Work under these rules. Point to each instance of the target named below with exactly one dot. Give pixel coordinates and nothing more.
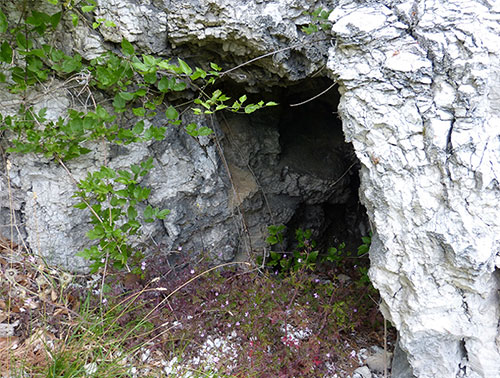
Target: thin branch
(314, 97)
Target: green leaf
(80, 205)
(131, 212)
(96, 233)
(150, 105)
(119, 102)
(6, 52)
(313, 256)
(366, 239)
(147, 165)
(271, 103)
(148, 212)
(310, 29)
(126, 135)
(149, 60)
(88, 8)
(223, 98)
(88, 253)
(140, 66)
(275, 256)
(164, 84)
(55, 19)
(204, 131)
(138, 128)
(191, 129)
(74, 19)
(3, 22)
(162, 213)
(38, 19)
(150, 78)
(184, 67)
(135, 169)
(215, 95)
(171, 113)
(101, 112)
(125, 174)
(272, 240)
(197, 74)
(71, 64)
(251, 108)
(236, 106)
(139, 112)
(126, 95)
(53, 2)
(215, 67)
(109, 24)
(38, 52)
(164, 64)
(127, 47)
(21, 41)
(179, 86)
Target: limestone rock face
(420, 104)
(419, 101)
(277, 166)
(233, 31)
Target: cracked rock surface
(420, 104)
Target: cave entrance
(313, 144)
(291, 165)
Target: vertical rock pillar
(421, 105)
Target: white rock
(433, 257)
(362, 372)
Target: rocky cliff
(415, 109)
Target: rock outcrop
(419, 102)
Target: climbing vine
(138, 85)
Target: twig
(314, 97)
(343, 174)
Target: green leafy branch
(138, 85)
(113, 197)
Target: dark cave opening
(306, 175)
(313, 144)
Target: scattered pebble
(6, 330)
(362, 372)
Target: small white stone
(362, 372)
(90, 368)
